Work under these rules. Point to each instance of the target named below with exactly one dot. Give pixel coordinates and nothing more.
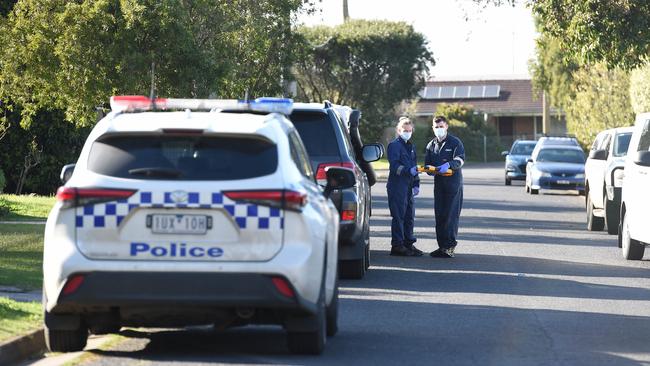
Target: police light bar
(140, 103)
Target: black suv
(331, 136)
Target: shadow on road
(441, 334)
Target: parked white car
(634, 231)
(173, 218)
(604, 178)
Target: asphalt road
(529, 286)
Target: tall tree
(372, 65)
(74, 55)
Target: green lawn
(18, 318)
(380, 164)
(21, 255)
(25, 207)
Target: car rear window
(561, 156)
(621, 144)
(316, 132)
(186, 157)
(523, 148)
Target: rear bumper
(559, 183)
(102, 291)
(516, 176)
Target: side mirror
(372, 152)
(642, 158)
(529, 160)
(66, 172)
(598, 154)
(338, 178)
(504, 153)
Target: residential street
(529, 286)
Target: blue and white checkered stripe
(246, 215)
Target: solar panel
(461, 92)
(492, 91)
(476, 91)
(446, 92)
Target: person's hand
(443, 168)
(416, 191)
(414, 171)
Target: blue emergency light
(140, 103)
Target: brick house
(509, 104)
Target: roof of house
(515, 96)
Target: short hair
(404, 121)
(438, 119)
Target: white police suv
(182, 212)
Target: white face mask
(405, 135)
(440, 133)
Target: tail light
(283, 286)
(285, 199)
(73, 197)
(72, 284)
(321, 176)
(348, 215)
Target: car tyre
(66, 340)
(333, 312)
(105, 329)
(534, 191)
(594, 223)
(508, 182)
(612, 217)
(355, 269)
(311, 343)
(367, 257)
(632, 249)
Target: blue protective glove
(414, 171)
(416, 191)
(443, 168)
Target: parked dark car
(516, 160)
(557, 167)
(332, 139)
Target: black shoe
(401, 251)
(415, 250)
(443, 253)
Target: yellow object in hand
(433, 170)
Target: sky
(467, 40)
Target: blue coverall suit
(447, 191)
(401, 156)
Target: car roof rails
(565, 135)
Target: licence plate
(564, 182)
(179, 224)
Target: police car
(182, 212)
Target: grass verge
(21, 255)
(25, 207)
(17, 318)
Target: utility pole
(346, 12)
(546, 115)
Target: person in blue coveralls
(403, 184)
(446, 152)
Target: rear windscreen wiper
(157, 172)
